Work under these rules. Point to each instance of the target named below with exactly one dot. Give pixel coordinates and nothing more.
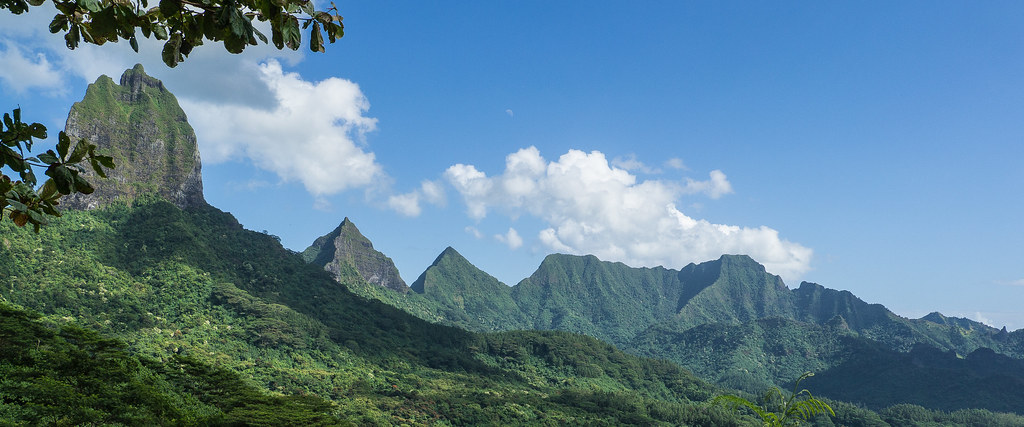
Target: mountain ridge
(758, 332)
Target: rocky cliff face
(346, 248)
(139, 123)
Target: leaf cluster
(25, 203)
(184, 24)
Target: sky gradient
(871, 147)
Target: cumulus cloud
(592, 207)
(22, 71)
(715, 187)
(511, 238)
(408, 204)
(312, 136)
(433, 192)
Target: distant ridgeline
(731, 322)
(146, 306)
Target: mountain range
(147, 306)
(733, 323)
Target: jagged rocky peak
(347, 248)
(140, 124)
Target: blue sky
(873, 147)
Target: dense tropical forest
(154, 308)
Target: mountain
(195, 284)
(610, 301)
(458, 288)
(139, 123)
(730, 322)
(139, 312)
(346, 249)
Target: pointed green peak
(346, 249)
(449, 254)
(452, 273)
(349, 229)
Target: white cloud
(676, 163)
(22, 71)
(591, 207)
(476, 233)
(715, 187)
(408, 204)
(310, 136)
(1018, 282)
(979, 317)
(630, 163)
(511, 238)
(433, 192)
(510, 112)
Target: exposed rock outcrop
(140, 124)
(346, 247)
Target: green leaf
(49, 157)
(97, 168)
(262, 37)
(171, 53)
(160, 32)
(316, 39)
(238, 22)
(63, 143)
(90, 5)
(58, 24)
(73, 37)
(81, 149)
(134, 44)
(82, 186)
(37, 130)
(62, 178)
(170, 7)
(106, 161)
(290, 31)
(49, 190)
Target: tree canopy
(185, 24)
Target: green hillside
(733, 323)
(193, 284)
